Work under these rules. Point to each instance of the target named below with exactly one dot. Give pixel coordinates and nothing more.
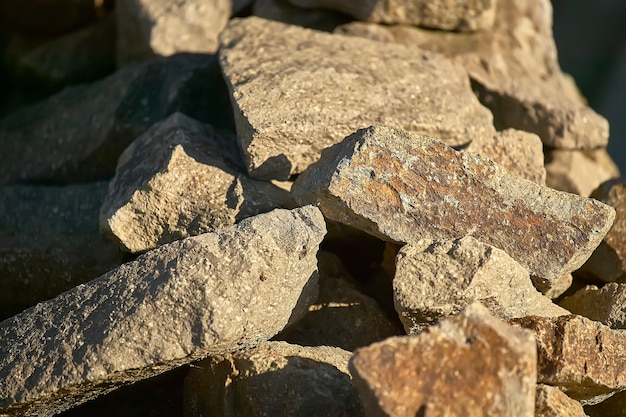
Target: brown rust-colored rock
(608, 261)
(273, 379)
(436, 280)
(459, 15)
(181, 178)
(325, 87)
(552, 402)
(584, 358)
(405, 187)
(468, 365)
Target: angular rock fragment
(557, 287)
(342, 316)
(159, 27)
(515, 71)
(468, 365)
(273, 379)
(201, 296)
(519, 152)
(608, 261)
(584, 358)
(324, 87)
(437, 280)
(461, 15)
(78, 134)
(552, 402)
(404, 187)
(50, 242)
(579, 172)
(181, 178)
(605, 304)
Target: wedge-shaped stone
(608, 261)
(437, 280)
(515, 70)
(584, 358)
(181, 178)
(552, 402)
(605, 304)
(405, 187)
(468, 365)
(204, 295)
(463, 15)
(325, 87)
(273, 379)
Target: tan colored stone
(515, 71)
(460, 15)
(579, 172)
(146, 28)
(519, 152)
(404, 187)
(608, 261)
(557, 287)
(201, 296)
(342, 316)
(181, 179)
(552, 402)
(584, 358)
(468, 365)
(438, 279)
(325, 86)
(605, 304)
(273, 379)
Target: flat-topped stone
(325, 87)
(404, 187)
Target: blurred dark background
(591, 41)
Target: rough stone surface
(584, 358)
(50, 242)
(204, 295)
(437, 280)
(283, 11)
(552, 402)
(557, 287)
(605, 304)
(327, 86)
(78, 134)
(579, 172)
(405, 187)
(160, 27)
(519, 152)
(461, 15)
(608, 261)
(181, 178)
(342, 316)
(273, 379)
(515, 70)
(468, 365)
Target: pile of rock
(372, 230)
